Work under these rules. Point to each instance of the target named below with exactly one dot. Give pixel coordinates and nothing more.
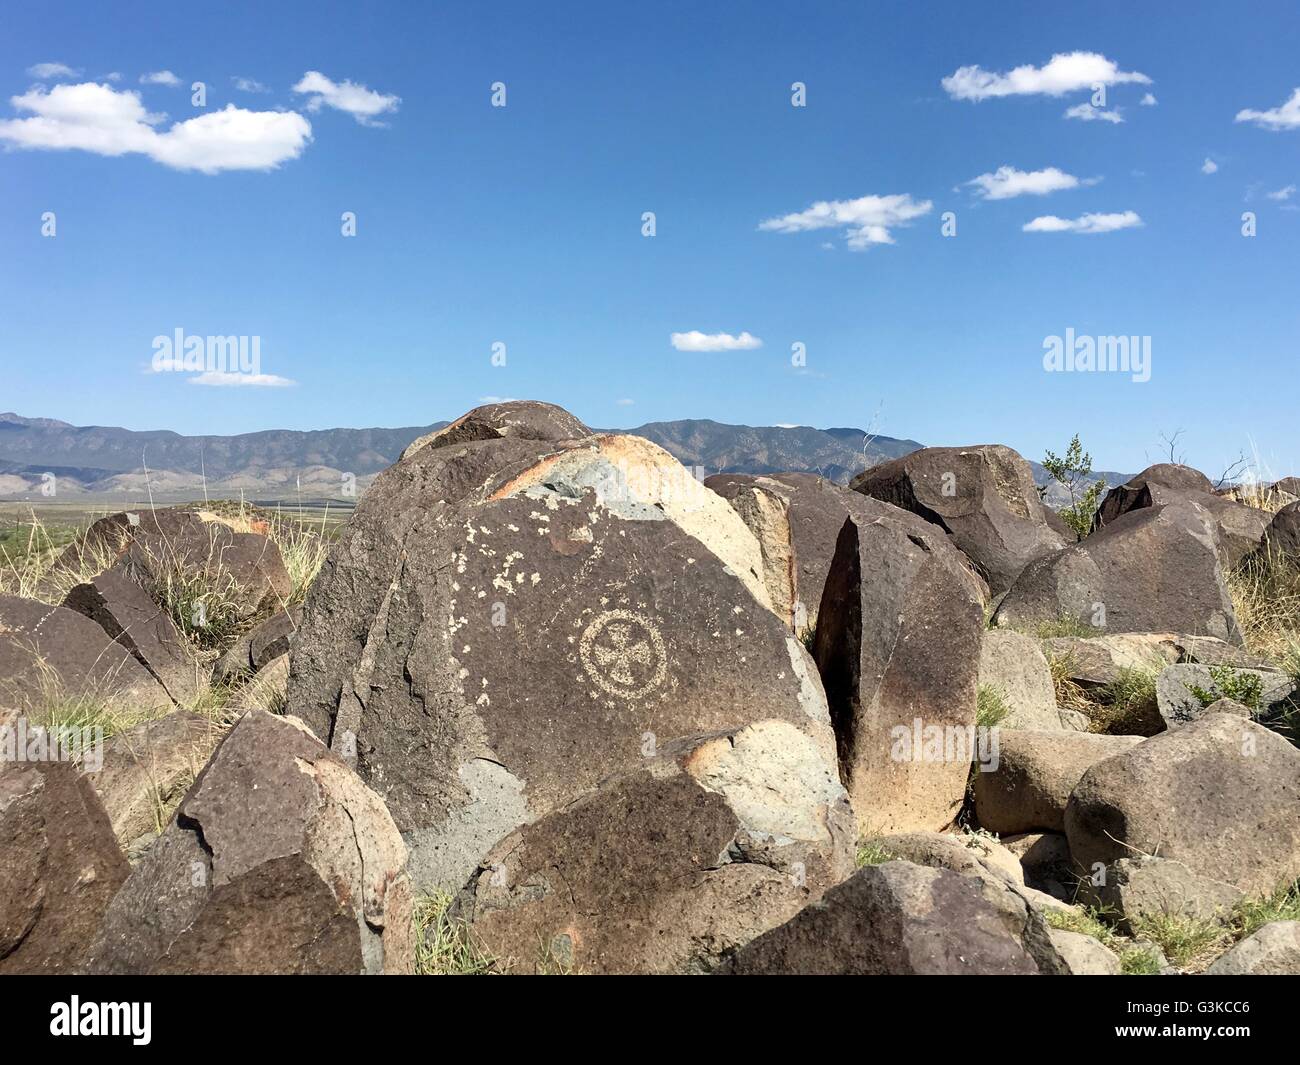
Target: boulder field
(553, 699)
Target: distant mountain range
(105, 463)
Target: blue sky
(523, 224)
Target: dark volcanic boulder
(503, 624)
(1132, 494)
(898, 648)
(901, 919)
(50, 654)
(1282, 537)
(196, 550)
(1030, 787)
(120, 606)
(1239, 527)
(259, 647)
(522, 419)
(983, 497)
(797, 518)
(1154, 570)
(1220, 794)
(669, 868)
(279, 861)
(59, 867)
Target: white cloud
(223, 379)
(1148, 100)
(1088, 223)
(99, 119)
(1007, 182)
(46, 71)
(249, 85)
(866, 220)
(788, 425)
(1088, 113)
(1276, 118)
(1209, 166)
(114, 76)
(1282, 194)
(625, 402)
(697, 341)
(356, 100)
(1063, 73)
(160, 77)
(497, 399)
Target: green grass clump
(872, 853)
(445, 946)
(1126, 706)
(990, 706)
(1187, 941)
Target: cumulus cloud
(1209, 166)
(1276, 118)
(46, 71)
(223, 379)
(99, 119)
(248, 85)
(361, 103)
(625, 402)
(697, 341)
(1088, 223)
(1148, 100)
(1007, 182)
(865, 221)
(160, 77)
(1282, 194)
(1063, 73)
(1088, 113)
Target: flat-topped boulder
(984, 497)
(51, 656)
(279, 861)
(1153, 570)
(506, 623)
(1014, 666)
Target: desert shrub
(990, 706)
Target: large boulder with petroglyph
(505, 623)
(671, 867)
(279, 861)
(52, 657)
(59, 865)
(1220, 794)
(898, 649)
(1153, 570)
(983, 497)
(523, 419)
(901, 919)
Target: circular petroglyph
(624, 654)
